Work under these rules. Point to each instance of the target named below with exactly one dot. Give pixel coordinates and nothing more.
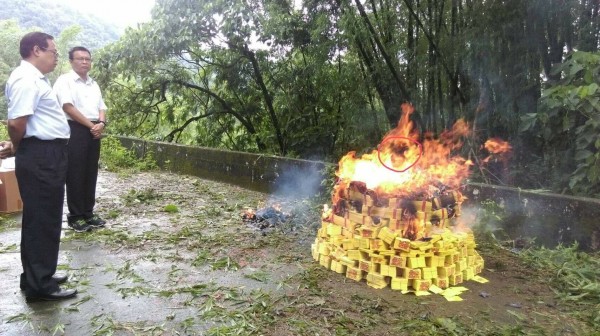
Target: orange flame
(432, 166)
(249, 214)
(497, 147)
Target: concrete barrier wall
(549, 218)
(265, 173)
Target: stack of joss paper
(410, 245)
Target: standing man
(80, 97)
(39, 133)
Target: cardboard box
(10, 198)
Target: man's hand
(6, 149)
(97, 130)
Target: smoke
(297, 182)
(293, 193)
(477, 219)
(520, 218)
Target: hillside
(54, 17)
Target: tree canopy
(316, 79)
(52, 18)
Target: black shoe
(95, 221)
(60, 294)
(58, 277)
(80, 225)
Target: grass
(107, 325)
(8, 248)
(575, 278)
(8, 222)
(260, 276)
(116, 158)
(140, 196)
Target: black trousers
(82, 174)
(41, 170)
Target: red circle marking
(399, 137)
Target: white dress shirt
(29, 93)
(84, 95)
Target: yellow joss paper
(370, 245)
(453, 291)
(453, 298)
(480, 279)
(435, 289)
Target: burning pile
(266, 217)
(394, 218)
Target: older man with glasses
(39, 133)
(81, 99)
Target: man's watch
(103, 122)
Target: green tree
(216, 80)
(567, 127)
(10, 35)
(64, 42)
(325, 77)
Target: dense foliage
(316, 79)
(116, 158)
(566, 127)
(319, 78)
(10, 34)
(69, 28)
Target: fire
(394, 219)
(272, 214)
(402, 166)
(249, 214)
(498, 148)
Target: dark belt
(56, 141)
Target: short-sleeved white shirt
(84, 95)
(29, 93)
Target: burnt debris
(265, 218)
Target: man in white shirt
(39, 133)
(80, 97)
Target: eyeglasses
(83, 59)
(56, 54)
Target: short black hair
(31, 40)
(78, 48)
